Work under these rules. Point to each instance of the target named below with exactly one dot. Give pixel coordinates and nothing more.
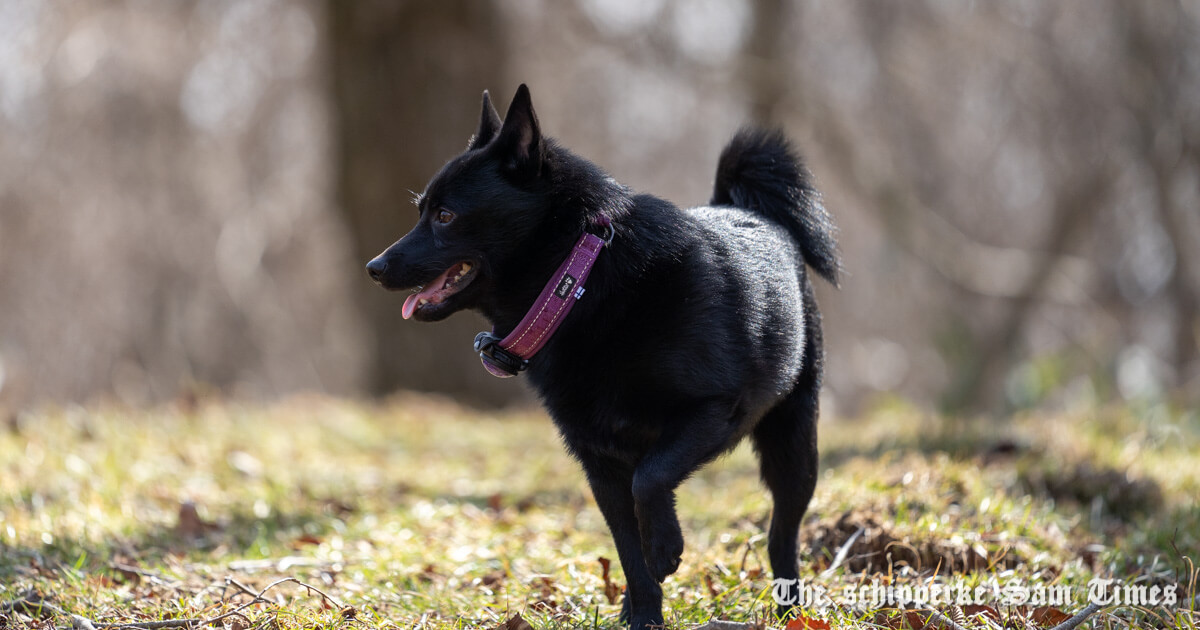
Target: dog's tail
(760, 171)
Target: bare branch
(1078, 618)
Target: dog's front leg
(673, 458)
(612, 482)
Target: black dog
(698, 327)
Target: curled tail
(760, 171)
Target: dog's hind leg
(612, 482)
(786, 441)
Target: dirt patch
(1112, 490)
(881, 549)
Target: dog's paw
(664, 550)
(650, 622)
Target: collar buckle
(493, 356)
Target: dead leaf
(712, 589)
(545, 589)
(306, 539)
(190, 524)
(611, 591)
(1047, 616)
(490, 580)
(516, 622)
(972, 610)
(428, 573)
(900, 619)
(805, 623)
(338, 506)
(126, 573)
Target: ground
(421, 513)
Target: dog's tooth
(465, 268)
(422, 301)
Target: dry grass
(421, 513)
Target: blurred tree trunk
(1157, 42)
(765, 66)
(406, 80)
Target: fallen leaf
(611, 591)
(338, 506)
(428, 573)
(900, 619)
(516, 622)
(972, 610)
(545, 589)
(190, 524)
(1047, 616)
(306, 539)
(126, 574)
(491, 580)
(805, 623)
(712, 589)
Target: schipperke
(656, 337)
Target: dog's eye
(444, 216)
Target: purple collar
(507, 357)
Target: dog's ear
(489, 124)
(520, 141)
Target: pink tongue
(410, 303)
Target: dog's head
(476, 213)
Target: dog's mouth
(428, 298)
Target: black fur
(698, 327)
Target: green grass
(420, 513)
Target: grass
(420, 513)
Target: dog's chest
(606, 433)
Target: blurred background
(189, 189)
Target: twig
(1078, 618)
(258, 597)
(31, 604)
(142, 625)
(244, 589)
(840, 557)
(132, 570)
(35, 605)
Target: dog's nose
(375, 269)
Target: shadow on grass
(240, 535)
